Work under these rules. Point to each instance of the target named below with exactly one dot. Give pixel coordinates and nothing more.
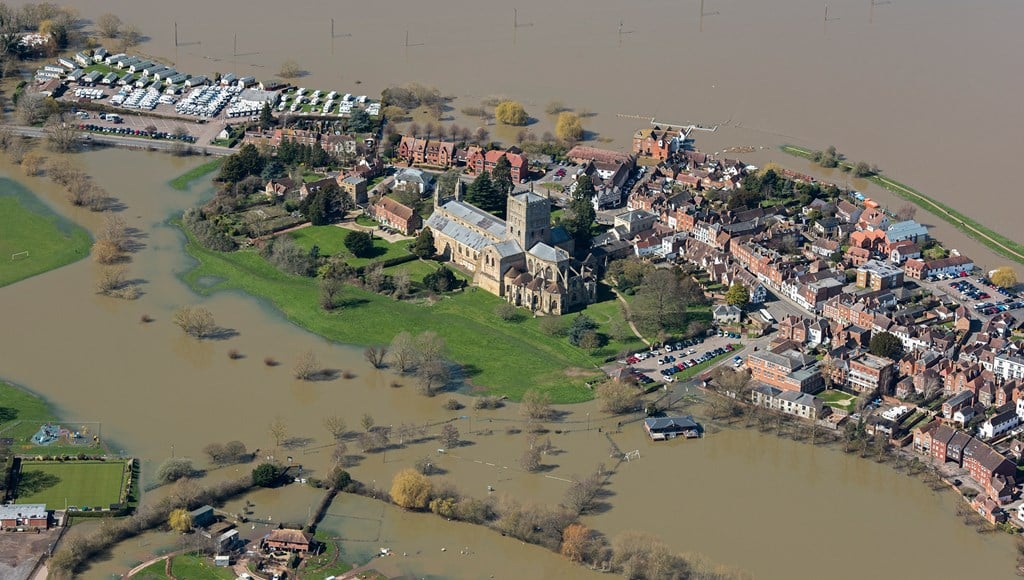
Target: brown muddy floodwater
(920, 87)
(740, 498)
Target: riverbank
(990, 238)
(185, 180)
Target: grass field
(834, 398)
(80, 483)
(192, 567)
(185, 180)
(331, 241)
(154, 571)
(27, 224)
(503, 358)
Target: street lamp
(588, 421)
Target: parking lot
(203, 132)
(988, 300)
(662, 364)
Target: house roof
(662, 423)
(548, 253)
(411, 174)
(289, 536)
(23, 510)
(726, 310)
(393, 206)
(905, 229)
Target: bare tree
(530, 460)
(582, 494)
(432, 374)
(336, 426)
(32, 163)
(403, 349)
(130, 36)
(367, 421)
(290, 70)
(108, 25)
(278, 430)
(375, 355)
(907, 211)
(449, 436)
(618, 397)
(105, 252)
(115, 231)
(196, 321)
(330, 290)
(111, 279)
(307, 366)
(32, 109)
(401, 282)
(536, 405)
(339, 453)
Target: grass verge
(28, 225)
(990, 238)
(195, 567)
(185, 180)
(498, 357)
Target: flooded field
(881, 81)
(740, 498)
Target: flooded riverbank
(159, 393)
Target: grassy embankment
(185, 180)
(501, 358)
(28, 225)
(23, 414)
(992, 239)
(331, 241)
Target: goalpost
(19, 256)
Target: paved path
(629, 317)
(150, 562)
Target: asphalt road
(131, 142)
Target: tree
(403, 349)
(507, 312)
(618, 397)
(336, 426)
(130, 36)
(530, 459)
(862, 169)
(511, 113)
(360, 122)
(576, 542)
(661, 302)
(266, 117)
(61, 135)
(483, 194)
(581, 214)
(359, 243)
(108, 25)
(555, 107)
(330, 290)
(423, 246)
(737, 295)
(180, 520)
(266, 475)
(367, 421)
(174, 469)
(501, 176)
(568, 127)
(105, 252)
(278, 430)
(307, 366)
(196, 321)
(441, 280)
(338, 478)
(1004, 277)
(449, 436)
(411, 489)
(33, 108)
(375, 355)
(536, 405)
(581, 325)
(907, 211)
(290, 69)
(886, 344)
(582, 494)
(32, 163)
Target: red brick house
(480, 161)
(288, 540)
(656, 142)
(393, 214)
(430, 152)
(941, 436)
(989, 468)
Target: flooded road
(919, 87)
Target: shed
(203, 516)
(661, 428)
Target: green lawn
(80, 483)
(331, 241)
(329, 563)
(835, 398)
(28, 225)
(185, 180)
(192, 567)
(154, 571)
(503, 358)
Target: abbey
(523, 259)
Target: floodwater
(919, 87)
(739, 498)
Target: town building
(919, 269)
(524, 259)
(999, 423)
(393, 214)
(418, 179)
(788, 371)
(878, 275)
(480, 161)
(662, 428)
(25, 515)
(426, 151)
(726, 314)
(287, 540)
(803, 405)
(657, 143)
(870, 374)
